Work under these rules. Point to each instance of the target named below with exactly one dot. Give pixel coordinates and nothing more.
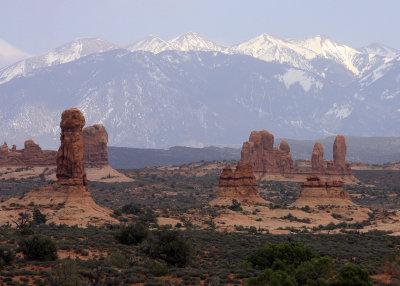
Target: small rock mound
(314, 192)
(240, 185)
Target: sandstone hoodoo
(240, 185)
(337, 167)
(31, 155)
(317, 157)
(266, 159)
(70, 193)
(95, 139)
(315, 191)
(70, 169)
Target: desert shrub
(314, 269)
(170, 246)
(6, 257)
(290, 253)
(236, 206)
(158, 269)
(271, 277)
(66, 274)
(352, 275)
(38, 217)
(26, 231)
(132, 234)
(131, 209)
(38, 248)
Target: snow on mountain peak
(193, 41)
(66, 53)
(380, 49)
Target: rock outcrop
(31, 155)
(70, 193)
(337, 167)
(240, 185)
(95, 154)
(95, 139)
(70, 169)
(261, 154)
(314, 192)
(317, 158)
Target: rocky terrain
(31, 155)
(32, 161)
(68, 200)
(240, 185)
(314, 192)
(272, 163)
(260, 152)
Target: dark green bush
(170, 246)
(132, 234)
(6, 257)
(352, 275)
(38, 248)
(158, 269)
(236, 206)
(38, 217)
(290, 253)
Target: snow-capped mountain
(64, 54)
(380, 49)
(191, 41)
(152, 44)
(10, 54)
(190, 91)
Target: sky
(37, 26)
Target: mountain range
(191, 91)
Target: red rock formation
(70, 170)
(240, 185)
(31, 155)
(337, 167)
(95, 139)
(264, 158)
(339, 152)
(317, 192)
(70, 192)
(317, 157)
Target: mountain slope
(64, 54)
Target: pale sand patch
(106, 174)
(168, 220)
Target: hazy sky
(36, 26)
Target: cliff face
(263, 157)
(240, 185)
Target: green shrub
(26, 231)
(290, 253)
(6, 257)
(236, 206)
(170, 246)
(38, 248)
(132, 234)
(66, 274)
(352, 275)
(38, 217)
(158, 269)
